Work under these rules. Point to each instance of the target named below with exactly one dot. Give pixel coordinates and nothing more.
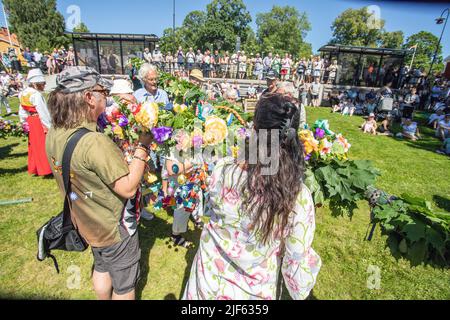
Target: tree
(170, 42)
(357, 27)
(81, 28)
(37, 23)
(192, 28)
(426, 45)
(225, 21)
(392, 40)
(283, 29)
(251, 44)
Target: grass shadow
(149, 231)
(392, 243)
(6, 150)
(13, 171)
(442, 202)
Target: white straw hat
(121, 86)
(35, 76)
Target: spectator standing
(267, 64)
(199, 60)
(259, 67)
(190, 60)
(148, 55)
(316, 91)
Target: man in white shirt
(190, 60)
(148, 55)
(37, 57)
(157, 56)
(199, 59)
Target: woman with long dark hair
(260, 221)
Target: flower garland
(10, 128)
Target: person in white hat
(370, 125)
(123, 91)
(33, 110)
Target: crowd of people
(107, 218)
(242, 65)
(385, 107)
(109, 222)
(49, 62)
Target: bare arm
(127, 186)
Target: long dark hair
(270, 199)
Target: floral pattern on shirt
(232, 264)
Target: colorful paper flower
(183, 140)
(118, 132)
(216, 131)
(162, 134)
(123, 121)
(148, 115)
(319, 134)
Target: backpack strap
(67, 157)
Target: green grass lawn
(405, 166)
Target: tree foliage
(392, 40)
(37, 23)
(357, 27)
(426, 45)
(81, 28)
(218, 27)
(283, 29)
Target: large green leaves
(342, 182)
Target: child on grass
(370, 125)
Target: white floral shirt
(232, 265)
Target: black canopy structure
(108, 53)
(365, 66)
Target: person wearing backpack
(100, 181)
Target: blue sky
(151, 16)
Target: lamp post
(440, 20)
(173, 16)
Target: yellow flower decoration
(216, 131)
(310, 144)
(118, 132)
(148, 116)
(179, 108)
(150, 178)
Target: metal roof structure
(363, 50)
(114, 36)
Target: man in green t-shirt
(101, 181)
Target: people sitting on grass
(445, 149)
(410, 130)
(348, 108)
(443, 130)
(385, 129)
(370, 125)
(435, 118)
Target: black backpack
(59, 232)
